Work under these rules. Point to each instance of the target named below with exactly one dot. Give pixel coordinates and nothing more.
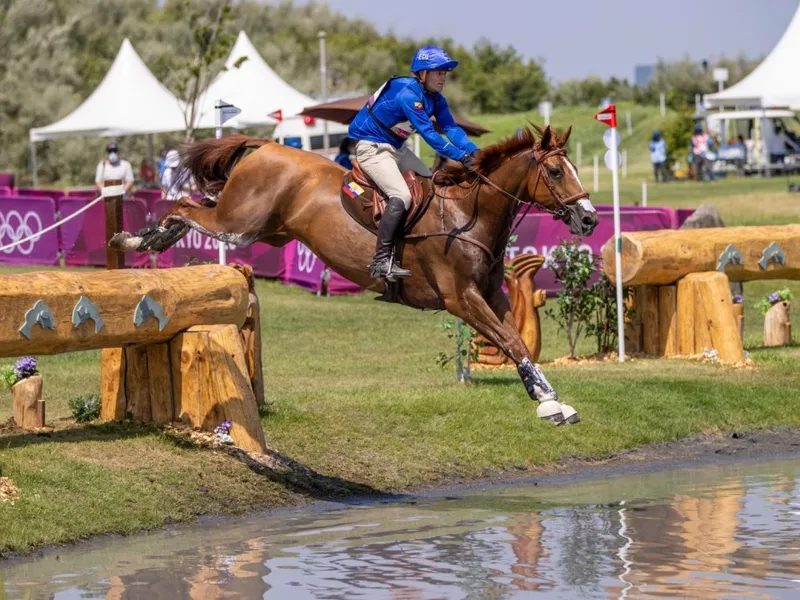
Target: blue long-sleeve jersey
(403, 106)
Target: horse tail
(211, 161)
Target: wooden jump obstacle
(177, 344)
(681, 297)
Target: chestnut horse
(455, 251)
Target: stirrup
(389, 270)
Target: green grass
(358, 399)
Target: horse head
(554, 184)
(549, 179)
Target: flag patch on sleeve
(418, 106)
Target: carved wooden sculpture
(525, 302)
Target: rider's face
(435, 80)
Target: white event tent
(774, 82)
(129, 101)
(253, 87)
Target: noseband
(542, 174)
(561, 212)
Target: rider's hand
(468, 160)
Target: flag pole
(618, 249)
(609, 116)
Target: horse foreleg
(532, 376)
(473, 308)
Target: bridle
(561, 212)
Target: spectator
(658, 156)
(701, 145)
(176, 182)
(113, 167)
(162, 163)
(346, 149)
(778, 144)
(147, 174)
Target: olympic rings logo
(15, 227)
(305, 258)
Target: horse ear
(547, 137)
(538, 129)
(562, 141)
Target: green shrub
(85, 408)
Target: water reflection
(721, 532)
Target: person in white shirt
(113, 167)
(175, 182)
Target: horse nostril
(588, 221)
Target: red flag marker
(608, 115)
(277, 115)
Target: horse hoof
(570, 415)
(124, 241)
(550, 410)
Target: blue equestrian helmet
(432, 58)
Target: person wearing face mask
(113, 167)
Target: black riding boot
(391, 221)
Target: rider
(400, 107)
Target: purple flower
(737, 299)
(25, 367)
(227, 425)
(774, 298)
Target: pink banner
(83, 239)
(21, 218)
(266, 260)
(305, 270)
(540, 234)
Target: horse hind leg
(175, 224)
(156, 237)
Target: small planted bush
(85, 408)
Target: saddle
(364, 201)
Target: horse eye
(556, 172)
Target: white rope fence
(36, 236)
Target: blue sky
(577, 38)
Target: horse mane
(491, 157)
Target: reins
(559, 213)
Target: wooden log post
(685, 318)
(633, 321)
(211, 384)
(667, 320)
(29, 408)
(777, 325)
(251, 336)
(650, 326)
(707, 296)
(113, 193)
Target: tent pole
(150, 154)
(33, 164)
